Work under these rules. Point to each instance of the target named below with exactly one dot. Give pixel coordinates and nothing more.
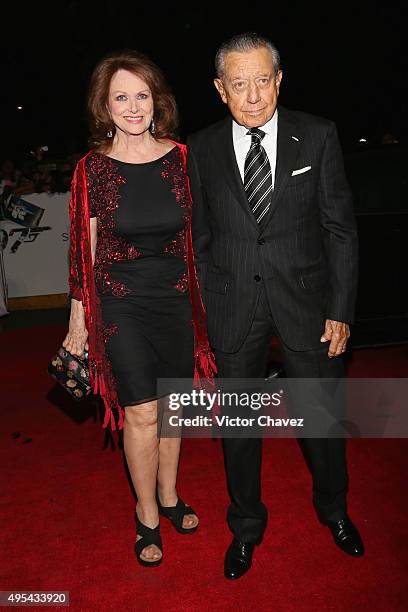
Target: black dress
(140, 270)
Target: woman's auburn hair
(165, 108)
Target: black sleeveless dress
(140, 270)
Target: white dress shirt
(242, 143)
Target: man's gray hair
(242, 43)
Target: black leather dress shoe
(346, 536)
(238, 559)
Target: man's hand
(338, 333)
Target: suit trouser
(326, 457)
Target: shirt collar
(240, 131)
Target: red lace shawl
(82, 287)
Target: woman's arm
(94, 236)
(77, 337)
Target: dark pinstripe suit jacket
(305, 253)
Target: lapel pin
(294, 138)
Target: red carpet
(67, 510)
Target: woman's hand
(76, 339)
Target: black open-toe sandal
(176, 514)
(149, 537)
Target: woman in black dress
(140, 210)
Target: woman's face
(130, 103)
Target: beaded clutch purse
(71, 372)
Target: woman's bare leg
(141, 447)
(169, 452)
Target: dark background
(344, 62)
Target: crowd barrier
(34, 237)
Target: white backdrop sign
(35, 245)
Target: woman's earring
(109, 134)
(152, 127)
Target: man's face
(249, 86)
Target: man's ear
(221, 90)
(278, 79)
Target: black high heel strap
(149, 536)
(176, 514)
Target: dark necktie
(257, 176)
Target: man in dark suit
(279, 258)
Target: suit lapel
(224, 147)
(288, 145)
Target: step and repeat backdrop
(34, 238)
